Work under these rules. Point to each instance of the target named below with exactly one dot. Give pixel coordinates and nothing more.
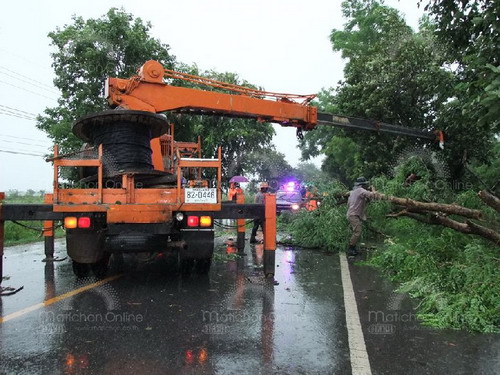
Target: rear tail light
(205, 221)
(70, 222)
(84, 222)
(193, 221)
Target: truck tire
(100, 268)
(80, 270)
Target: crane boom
(355, 123)
(149, 92)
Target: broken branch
(490, 199)
(434, 207)
(468, 227)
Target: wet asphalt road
(150, 320)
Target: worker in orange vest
(234, 189)
(311, 203)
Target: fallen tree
(437, 214)
(468, 227)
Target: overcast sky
(281, 45)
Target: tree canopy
(469, 32)
(417, 79)
(86, 53)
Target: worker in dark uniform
(259, 198)
(356, 206)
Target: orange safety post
(2, 197)
(48, 232)
(269, 234)
(55, 182)
(240, 199)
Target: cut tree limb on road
(413, 205)
(435, 213)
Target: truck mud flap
(199, 244)
(85, 246)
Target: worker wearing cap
(259, 199)
(356, 206)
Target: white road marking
(360, 363)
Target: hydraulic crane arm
(364, 124)
(149, 92)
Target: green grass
(16, 234)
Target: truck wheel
(80, 270)
(100, 268)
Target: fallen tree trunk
(413, 205)
(490, 199)
(436, 214)
(468, 227)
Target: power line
(35, 143)
(15, 148)
(2, 112)
(21, 153)
(24, 143)
(23, 138)
(29, 82)
(16, 115)
(32, 92)
(31, 79)
(18, 110)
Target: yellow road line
(51, 301)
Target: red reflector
(84, 222)
(193, 221)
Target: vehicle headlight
(295, 206)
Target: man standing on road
(356, 206)
(259, 198)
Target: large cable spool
(125, 137)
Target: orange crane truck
(142, 191)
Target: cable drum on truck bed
(125, 136)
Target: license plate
(200, 195)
